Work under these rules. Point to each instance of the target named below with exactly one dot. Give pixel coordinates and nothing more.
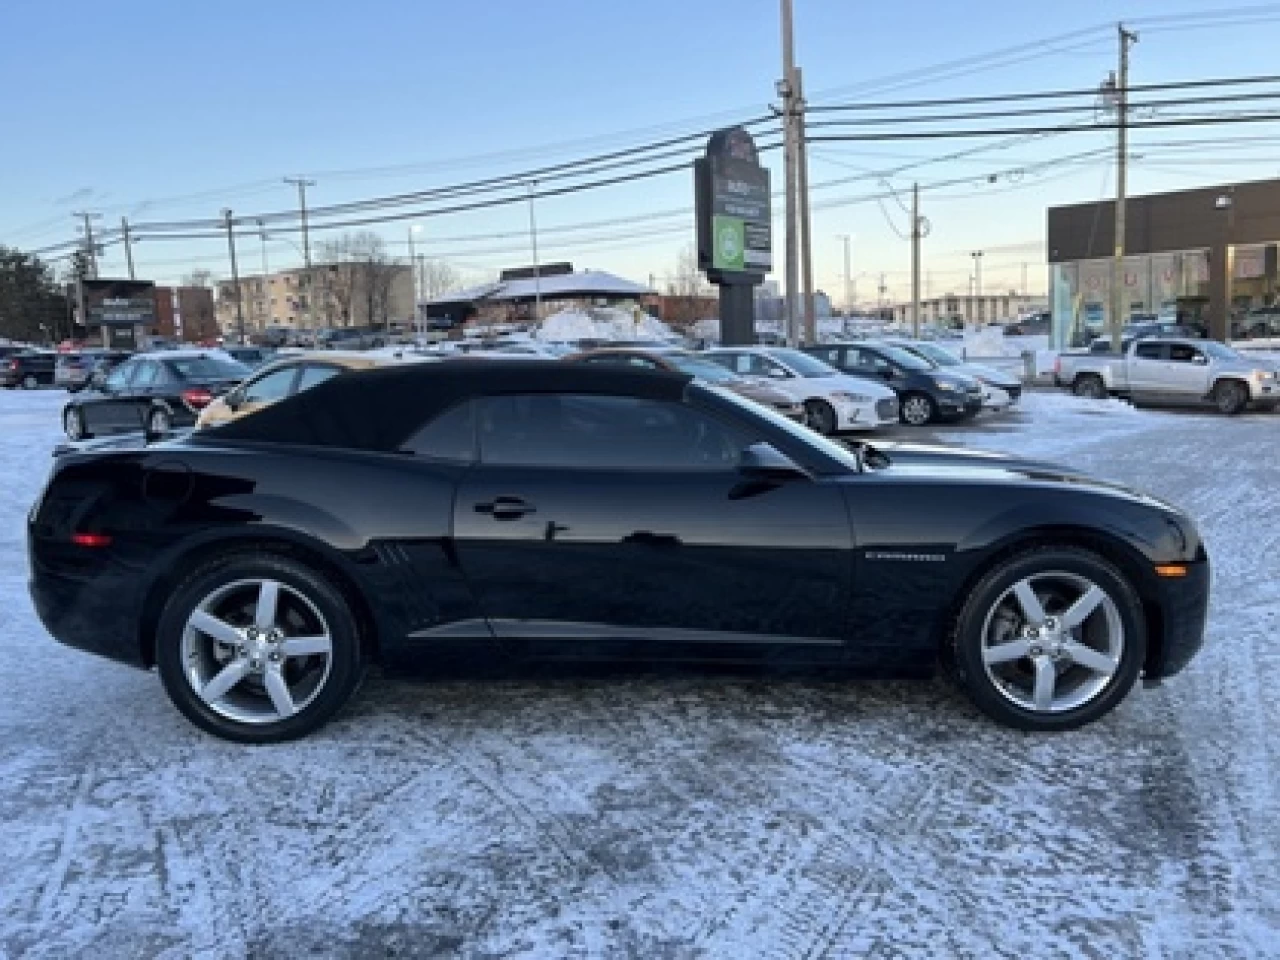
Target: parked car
(696, 365)
(1169, 371)
(155, 392)
(833, 401)
(28, 369)
(251, 357)
(283, 378)
(926, 394)
(1261, 322)
(73, 370)
(260, 566)
(351, 338)
(1001, 389)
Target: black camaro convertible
(541, 510)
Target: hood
(761, 391)
(849, 384)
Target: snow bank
(603, 323)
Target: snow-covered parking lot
(652, 815)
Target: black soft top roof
(379, 409)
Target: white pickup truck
(1174, 371)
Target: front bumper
(866, 416)
(1184, 607)
(954, 403)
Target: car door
(266, 389)
(1187, 373)
(624, 519)
(104, 408)
(1146, 367)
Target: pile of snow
(603, 323)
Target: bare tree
(438, 278)
(353, 264)
(687, 290)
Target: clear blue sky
(163, 110)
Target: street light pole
(1119, 307)
(302, 183)
(788, 92)
(848, 279)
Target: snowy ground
(658, 816)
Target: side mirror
(764, 461)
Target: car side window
(449, 436)
(603, 433)
(1149, 351)
(271, 387)
(145, 378)
(767, 368)
(643, 363)
(314, 374)
(1182, 353)
(118, 379)
(737, 362)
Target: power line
(1006, 131)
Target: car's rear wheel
(258, 648)
(1090, 387)
(918, 409)
(821, 416)
(73, 424)
(1230, 397)
(1049, 640)
(30, 382)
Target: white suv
(833, 401)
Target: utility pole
(302, 183)
(422, 285)
(787, 91)
(413, 261)
(802, 189)
(235, 274)
(975, 296)
(848, 289)
(128, 246)
(537, 271)
(89, 247)
(916, 233)
(1119, 307)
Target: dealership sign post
(731, 190)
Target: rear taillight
(13, 364)
(91, 539)
(1057, 365)
(197, 398)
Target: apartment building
(327, 295)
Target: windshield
(905, 358)
(801, 363)
(702, 369)
(1218, 352)
(836, 451)
(207, 368)
(935, 354)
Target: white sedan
(833, 401)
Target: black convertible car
(557, 511)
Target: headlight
(1263, 374)
(945, 385)
(850, 397)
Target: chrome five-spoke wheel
(1052, 642)
(259, 647)
(1050, 639)
(256, 651)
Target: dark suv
(28, 370)
(925, 393)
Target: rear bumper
(94, 609)
(1184, 605)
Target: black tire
(1230, 397)
(820, 416)
(30, 382)
(345, 668)
(917, 409)
(967, 637)
(73, 424)
(1089, 386)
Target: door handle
(506, 508)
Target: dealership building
(1206, 256)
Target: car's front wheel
(1089, 386)
(820, 416)
(258, 648)
(1230, 397)
(159, 421)
(1051, 639)
(29, 382)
